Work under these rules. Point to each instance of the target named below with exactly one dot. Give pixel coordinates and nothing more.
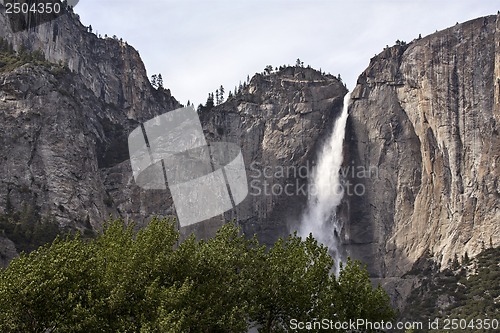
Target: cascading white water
(326, 191)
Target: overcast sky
(199, 45)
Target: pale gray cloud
(199, 45)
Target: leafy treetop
(123, 281)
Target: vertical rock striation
(427, 115)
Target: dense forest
(125, 280)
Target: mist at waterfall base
(319, 217)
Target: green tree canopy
(127, 281)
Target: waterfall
(326, 191)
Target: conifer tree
(221, 93)
(210, 101)
(160, 82)
(154, 81)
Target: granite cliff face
(426, 115)
(66, 122)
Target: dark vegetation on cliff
(10, 59)
(469, 289)
(124, 281)
(28, 230)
